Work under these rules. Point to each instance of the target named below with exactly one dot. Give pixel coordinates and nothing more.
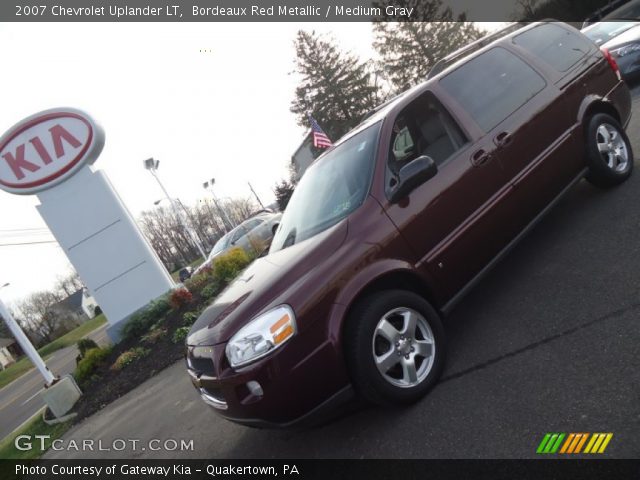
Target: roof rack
(472, 47)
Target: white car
(252, 235)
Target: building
(304, 156)
(89, 305)
(9, 352)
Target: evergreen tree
(336, 88)
(408, 50)
(283, 191)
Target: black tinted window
(492, 86)
(559, 47)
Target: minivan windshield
(329, 190)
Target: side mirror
(412, 175)
(274, 228)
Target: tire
(609, 152)
(395, 346)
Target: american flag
(320, 139)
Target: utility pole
(256, 195)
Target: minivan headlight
(261, 336)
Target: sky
(206, 99)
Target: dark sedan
(622, 39)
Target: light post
(208, 185)
(152, 165)
(25, 344)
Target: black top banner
(315, 10)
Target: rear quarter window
(559, 47)
(492, 86)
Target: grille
(200, 359)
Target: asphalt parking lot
(548, 342)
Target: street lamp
(208, 185)
(25, 344)
(152, 165)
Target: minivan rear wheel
(609, 153)
(394, 347)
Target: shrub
(190, 318)
(129, 357)
(92, 361)
(180, 297)
(211, 290)
(228, 266)
(84, 345)
(180, 334)
(194, 284)
(141, 321)
(154, 335)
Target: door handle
(503, 139)
(480, 158)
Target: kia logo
(46, 149)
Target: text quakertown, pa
(305, 11)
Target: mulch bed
(112, 384)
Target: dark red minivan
(395, 223)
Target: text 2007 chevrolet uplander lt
(393, 225)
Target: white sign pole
(26, 345)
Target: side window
(493, 85)
(403, 144)
(557, 46)
(424, 128)
(236, 235)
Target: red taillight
(612, 62)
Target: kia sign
(47, 148)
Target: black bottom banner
(322, 469)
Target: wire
(26, 243)
(22, 229)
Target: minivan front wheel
(394, 347)
(609, 153)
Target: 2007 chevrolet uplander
(395, 223)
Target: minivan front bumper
(290, 387)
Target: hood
(629, 36)
(260, 284)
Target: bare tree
(169, 238)
(69, 283)
(239, 209)
(38, 316)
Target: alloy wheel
(403, 347)
(612, 147)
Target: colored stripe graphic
(550, 443)
(567, 443)
(573, 443)
(581, 442)
(598, 442)
(543, 443)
